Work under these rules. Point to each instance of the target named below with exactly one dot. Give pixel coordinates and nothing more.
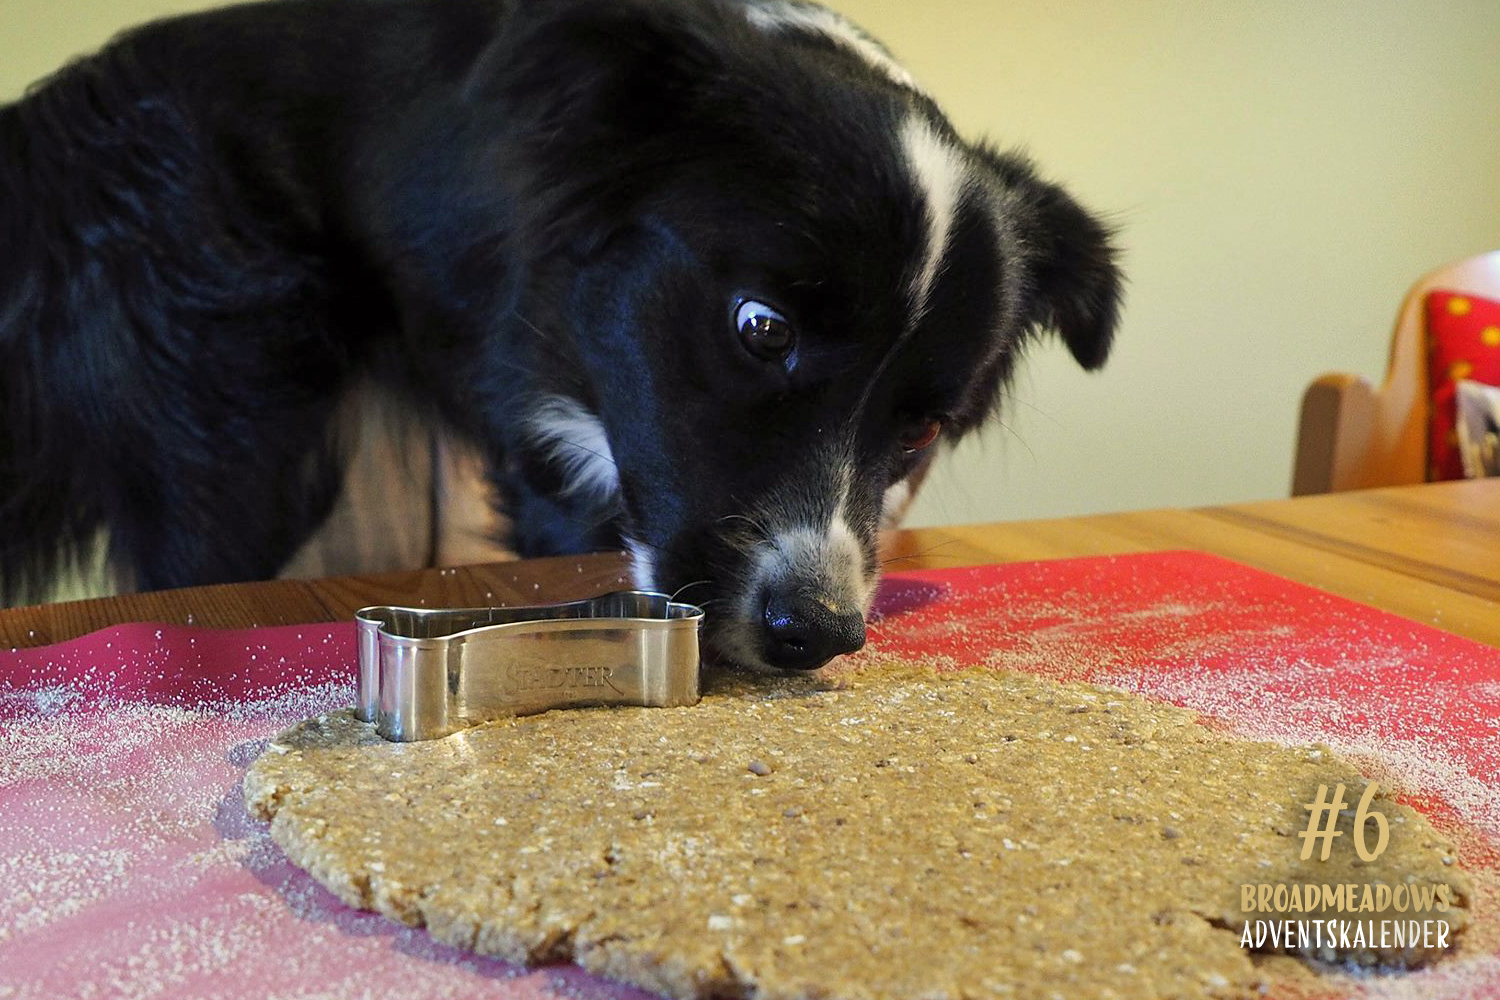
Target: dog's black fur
(218, 225)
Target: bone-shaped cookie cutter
(424, 674)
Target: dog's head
(771, 279)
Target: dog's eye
(920, 435)
(765, 331)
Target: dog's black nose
(803, 633)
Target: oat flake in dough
(895, 833)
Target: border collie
(703, 279)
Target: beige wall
(1280, 171)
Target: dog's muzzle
(806, 597)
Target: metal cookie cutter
(425, 673)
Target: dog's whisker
(602, 456)
(519, 368)
(923, 554)
(688, 586)
(760, 526)
(1012, 432)
(755, 525)
(1011, 398)
(533, 327)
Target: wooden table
(1430, 553)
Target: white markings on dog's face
(826, 559)
(821, 21)
(642, 565)
(844, 561)
(804, 543)
(893, 506)
(575, 440)
(942, 174)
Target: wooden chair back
(1353, 436)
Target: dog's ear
(595, 101)
(1075, 284)
(571, 63)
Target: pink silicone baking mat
(129, 869)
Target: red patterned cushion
(1463, 342)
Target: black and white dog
(705, 279)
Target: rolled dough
(894, 833)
